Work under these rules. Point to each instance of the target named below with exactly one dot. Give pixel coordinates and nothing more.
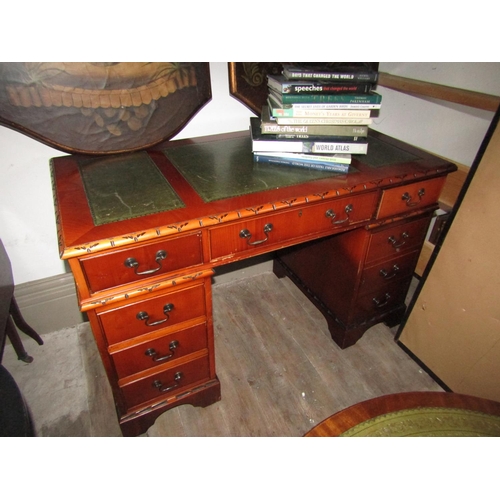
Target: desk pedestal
(358, 278)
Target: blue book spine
(312, 164)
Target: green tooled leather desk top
(428, 422)
(126, 186)
(217, 173)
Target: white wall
(27, 226)
(450, 130)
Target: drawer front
(158, 351)
(146, 316)
(397, 239)
(278, 229)
(378, 276)
(143, 261)
(381, 301)
(168, 382)
(402, 199)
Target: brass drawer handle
(379, 303)
(394, 242)
(407, 198)
(158, 384)
(331, 214)
(155, 357)
(132, 263)
(245, 233)
(144, 316)
(386, 275)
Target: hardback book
(315, 165)
(363, 101)
(280, 120)
(338, 74)
(280, 84)
(268, 125)
(323, 158)
(270, 142)
(292, 112)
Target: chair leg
(16, 342)
(20, 322)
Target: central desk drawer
(277, 229)
(142, 261)
(145, 316)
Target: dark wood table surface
(346, 419)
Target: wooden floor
(280, 372)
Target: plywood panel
(454, 324)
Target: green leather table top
(428, 422)
(126, 186)
(216, 173)
(381, 154)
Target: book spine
(310, 147)
(315, 138)
(312, 130)
(340, 159)
(334, 99)
(320, 113)
(327, 167)
(324, 121)
(320, 88)
(333, 105)
(336, 147)
(333, 76)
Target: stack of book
(316, 117)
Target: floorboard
(280, 372)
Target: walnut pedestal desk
(144, 232)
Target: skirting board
(50, 304)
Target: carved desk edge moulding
(248, 80)
(99, 107)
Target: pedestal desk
(144, 233)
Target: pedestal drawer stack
(361, 277)
(153, 325)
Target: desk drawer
(397, 239)
(277, 229)
(402, 199)
(148, 315)
(381, 301)
(142, 261)
(159, 351)
(165, 383)
(380, 275)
